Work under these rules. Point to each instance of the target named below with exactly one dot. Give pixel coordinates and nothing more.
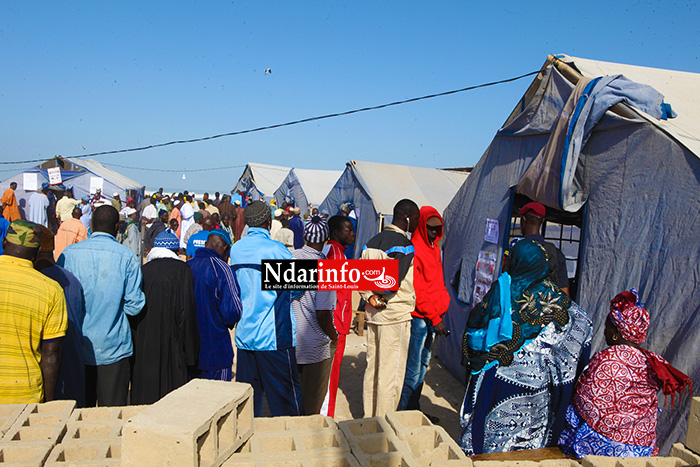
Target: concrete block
(430, 443)
(24, 454)
(84, 454)
(291, 445)
(692, 436)
(373, 442)
(598, 461)
(364, 426)
(195, 425)
(297, 424)
(559, 463)
(665, 462)
(686, 455)
(79, 432)
(340, 460)
(404, 421)
(8, 415)
(40, 422)
(489, 464)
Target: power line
(280, 125)
(175, 170)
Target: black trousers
(107, 385)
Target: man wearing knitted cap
(266, 332)
(313, 311)
(165, 333)
(33, 319)
(296, 225)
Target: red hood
(432, 299)
(421, 233)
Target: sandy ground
(442, 393)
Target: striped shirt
(313, 345)
(32, 309)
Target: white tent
(259, 181)
(374, 188)
(306, 187)
(83, 175)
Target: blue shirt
(111, 279)
(4, 224)
(267, 320)
(219, 306)
(196, 241)
(70, 384)
(296, 225)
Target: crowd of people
(109, 303)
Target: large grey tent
(374, 188)
(627, 207)
(259, 181)
(306, 187)
(83, 175)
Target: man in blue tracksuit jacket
(266, 332)
(219, 306)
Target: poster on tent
(55, 176)
(29, 182)
(485, 267)
(96, 183)
(491, 234)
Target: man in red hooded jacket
(432, 301)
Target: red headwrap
(629, 317)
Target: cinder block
(83, 454)
(340, 460)
(665, 462)
(598, 461)
(559, 463)
(305, 423)
(24, 454)
(8, 415)
(692, 436)
(686, 455)
(430, 443)
(40, 422)
(404, 421)
(195, 425)
(374, 443)
(291, 445)
(79, 432)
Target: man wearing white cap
(116, 201)
(276, 223)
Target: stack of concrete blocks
(93, 437)
(34, 432)
(199, 424)
(429, 444)
(311, 441)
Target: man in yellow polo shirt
(33, 319)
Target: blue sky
(117, 75)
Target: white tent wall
(80, 181)
(260, 181)
(640, 228)
(307, 187)
(374, 188)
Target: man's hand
(377, 302)
(440, 329)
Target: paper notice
(29, 182)
(491, 235)
(96, 183)
(55, 176)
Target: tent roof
(386, 184)
(316, 183)
(91, 165)
(267, 177)
(680, 90)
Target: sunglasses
(434, 228)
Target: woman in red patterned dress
(615, 407)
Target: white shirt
(38, 203)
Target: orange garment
(175, 214)
(70, 232)
(10, 210)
